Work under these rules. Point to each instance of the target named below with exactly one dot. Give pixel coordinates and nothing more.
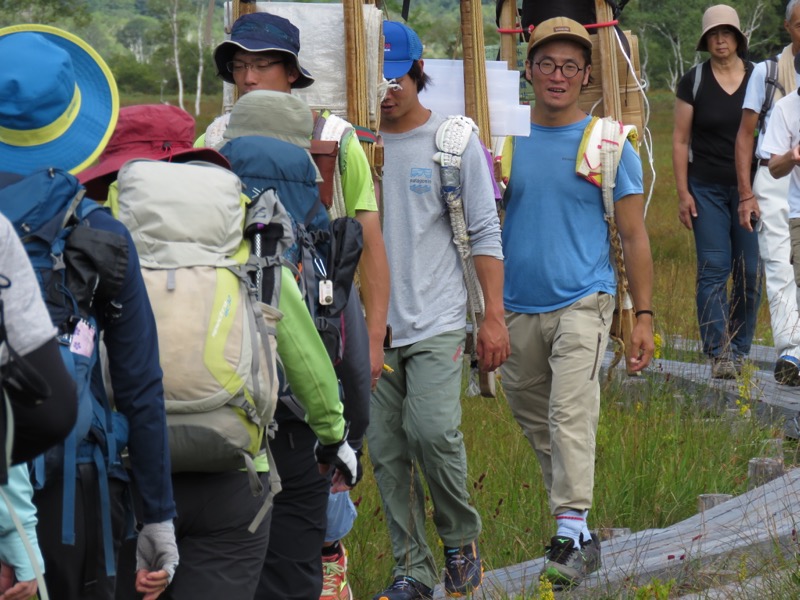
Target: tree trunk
(200, 59)
(173, 22)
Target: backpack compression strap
(611, 144)
(452, 139)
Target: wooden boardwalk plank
(752, 523)
(770, 401)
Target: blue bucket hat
(401, 48)
(262, 32)
(58, 100)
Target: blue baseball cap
(401, 48)
(262, 32)
(58, 100)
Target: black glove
(342, 456)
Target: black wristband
(643, 312)
(753, 197)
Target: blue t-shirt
(555, 238)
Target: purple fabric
(490, 161)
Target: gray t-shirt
(428, 296)
(27, 321)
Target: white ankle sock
(572, 524)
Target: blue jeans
(724, 249)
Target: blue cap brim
(396, 69)
(80, 145)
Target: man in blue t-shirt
(559, 287)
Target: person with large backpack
(262, 56)
(59, 106)
(188, 216)
(762, 197)
(325, 254)
(38, 408)
(40, 405)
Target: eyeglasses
(568, 69)
(262, 66)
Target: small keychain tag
(82, 339)
(326, 292)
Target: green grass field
(657, 448)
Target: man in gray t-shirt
(416, 411)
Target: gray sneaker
(722, 367)
(566, 565)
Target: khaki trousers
(551, 381)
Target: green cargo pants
(414, 421)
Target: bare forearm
(639, 267)
(744, 156)
(490, 276)
(780, 165)
(680, 166)
(374, 272)
(636, 250)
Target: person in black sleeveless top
(708, 109)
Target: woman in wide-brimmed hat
(707, 114)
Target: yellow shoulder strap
(588, 162)
(505, 158)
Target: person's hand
(338, 481)
(748, 211)
(493, 345)
(11, 589)
(341, 456)
(151, 583)
(686, 209)
(156, 558)
(642, 344)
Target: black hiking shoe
(787, 370)
(566, 565)
(405, 588)
(463, 570)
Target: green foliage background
(134, 35)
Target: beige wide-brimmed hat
(718, 16)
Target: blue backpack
(325, 254)
(78, 268)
